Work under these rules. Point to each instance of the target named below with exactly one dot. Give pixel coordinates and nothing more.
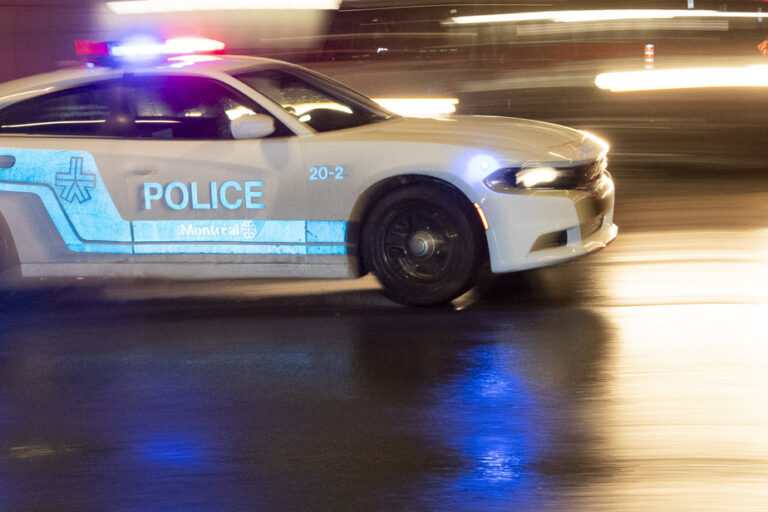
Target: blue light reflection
(177, 450)
(479, 166)
(487, 419)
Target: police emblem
(75, 183)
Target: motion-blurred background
(36, 35)
(530, 58)
(632, 380)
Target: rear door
(57, 185)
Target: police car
(214, 166)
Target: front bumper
(536, 228)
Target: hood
(509, 138)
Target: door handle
(143, 172)
(6, 161)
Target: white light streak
(597, 140)
(192, 45)
(419, 107)
(540, 29)
(25, 93)
(690, 78)
(599, 15)
(52, 123)
(299, 109)
(164, 6)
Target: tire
(5, 262)
(8, 255)
(423, 243)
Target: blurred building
(373, 29)
(38, 35)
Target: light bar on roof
(182, 61)
(161, 6)
(178, 46)
(181, 45)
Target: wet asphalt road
(635, 379)
(632, 380)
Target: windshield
(315, 100)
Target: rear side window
(84, 110)
(136, 107)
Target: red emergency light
(91, 48)
(144, 49)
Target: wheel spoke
(413, 221)
(396, 239)
(430, 268)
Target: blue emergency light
(114, 53)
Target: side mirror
(252, 126)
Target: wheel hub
(422, 245)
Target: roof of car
(211, 64)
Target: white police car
(229, 167)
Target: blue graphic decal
(75, 183)
(60, 221)
(93, 220)
(88, 221)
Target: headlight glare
(535, 177)
(542, 176)
(515, 178)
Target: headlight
(546, 176)
(536, 177)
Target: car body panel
(109, 206)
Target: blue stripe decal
(326, 249)
(287, 249)
(73, 193)
(255, 231)
(326, 231)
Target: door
(195, 194)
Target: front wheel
(8, 259)
(423, 244)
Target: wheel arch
(378, 190)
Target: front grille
(551, 240)
(588, 173)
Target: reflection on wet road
(635, 379)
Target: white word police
(231, 195)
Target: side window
(185, 107)
(311, 103)
(83, 110)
